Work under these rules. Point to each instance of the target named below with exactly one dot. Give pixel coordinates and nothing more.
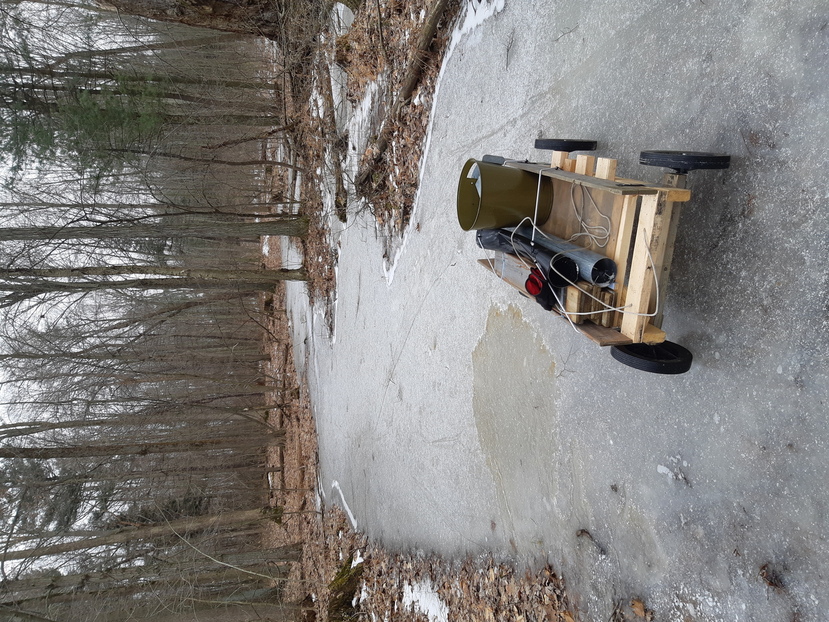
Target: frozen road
(455, 416)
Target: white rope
(608, 308)
(537, 199)
(599, 234)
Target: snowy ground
(455, 416)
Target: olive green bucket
(491, 196)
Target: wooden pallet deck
(641, 220)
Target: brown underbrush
(378, 47)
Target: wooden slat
(675, 180)
(559, 158)
(585, 164)
(608, 298)
(573, 303)
(675, 195)
(621, 250)
(603, 336)
(651, 235)
(606, 168)
(653, 335)
(664, 270)
(613, 210)
(612, 337)
(614, 187)
(595, 304)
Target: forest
(143, 163)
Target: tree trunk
(158, 210)
(145, 47)
(128, 534)
(138, 449)
(69, 76)
(10, 614)
(177, 156)
(18, 292)
(194, 274)
(223, 118)
(247, 467)
(232, 565)
(215, 14)
(202, 228)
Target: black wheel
(684, 161)
(565, 144)
(662, 358)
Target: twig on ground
(380, 32)
(413, 73)
(565, 33)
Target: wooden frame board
(641, 220)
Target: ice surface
(459, 417)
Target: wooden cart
(640, 239)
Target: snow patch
(359, 125)
(341, 19)
(477, 12)
(423, 597)
(663, 470)
(335, 485)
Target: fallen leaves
(479, 588)
(634, 611)
(380, 43)
(393, 185)
(771, 576)
(639, 609)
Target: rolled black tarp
(593, 267)
(558, 269)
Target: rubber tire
(662, 358)
(565, 144)
(684, 161)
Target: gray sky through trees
(136, 160)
